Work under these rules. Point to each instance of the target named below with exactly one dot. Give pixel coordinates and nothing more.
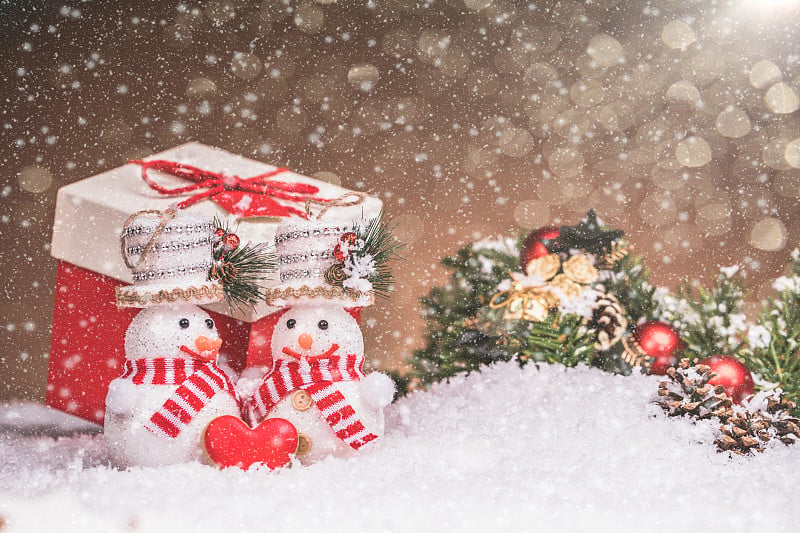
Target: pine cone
(689, 393)
(224, 271)
(747, 431)
(334, 274)
(609, 320)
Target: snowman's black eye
(184, 323)
(322, 324)
(209, 323)
(291, 323)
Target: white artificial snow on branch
(358, 269)
(583, 304)
(787, 284)
(758, 336)
(505, 245)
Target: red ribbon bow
(244, 197)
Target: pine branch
(253, 264)
(380, 243)
(710, 320)
(628, 281)
(773, 349)
(589, 235)
(452, 344)
(464, 332)
(561, 339)
(242, 270)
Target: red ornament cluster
(230, 240)
(659, 340)
(655, 338)
(348, 238)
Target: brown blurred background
(676, 120)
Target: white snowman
(171, 386)
(317, 380)
(164, 347)
(318, 383)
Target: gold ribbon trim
(135, 297)
(330, 293)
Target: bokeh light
(764, 74)
(693, 152)
(532, 214)
(35, 179)
(677, 34)
(782, 98)
(768, 234)
(363, 77)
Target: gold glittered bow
(533, 302)
(526, 303)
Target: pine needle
(252, 263)
(380, 243)
(249, 266)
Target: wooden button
(301, 400)
(303, 445)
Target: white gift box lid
(90, 212)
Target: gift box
(88, 333)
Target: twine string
(166, 216)
(356, 198)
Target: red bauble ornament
(230, 442)
(231, 240)
(338, 254)
(660, 340)
(731, 374)
(349, 238)
(532, 247)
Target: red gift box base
(87, 345)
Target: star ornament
(589, 236)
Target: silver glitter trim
(169, 246)
(179, 228)
(301, 274)
(166, 273)
(316, 232)
(298, 258)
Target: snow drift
(531, 449)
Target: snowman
(317, 381)
(171, 386)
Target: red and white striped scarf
(198, 381)
(317, 378)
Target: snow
(546, 448)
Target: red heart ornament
(228, 441)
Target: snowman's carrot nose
(204, 344)
(305, 341)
